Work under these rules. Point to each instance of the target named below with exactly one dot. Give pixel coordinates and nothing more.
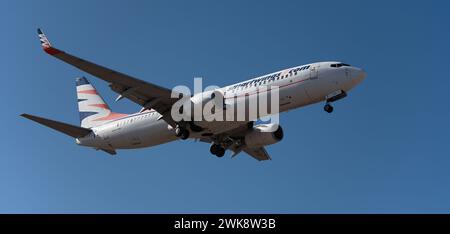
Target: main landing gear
(181, 132)
(217, 150)
(183, 129)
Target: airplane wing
(68, 129)
(234, 138)
(259, 154)
(109, 151)
(148, 95)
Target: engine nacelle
(200, 100)
(203, 98)
(263, 134)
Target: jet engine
(263, 134)
(217, 96)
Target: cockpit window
(339, 65)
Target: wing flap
(259, 154)
(109, 151)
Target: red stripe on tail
(91, 91)
(104, 106)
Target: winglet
(45, 43)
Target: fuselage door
(348, 73)
(314, 72)
(313, 86)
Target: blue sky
(383, 150)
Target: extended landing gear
(217, 150)
(332, 97)
(328, 108)
(181, 132)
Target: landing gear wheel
(328, 108)
(181, 132)
(221, 152)
(184, 134)
(178, 131)
(217, 150)
(214, 148)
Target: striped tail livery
(93, 109)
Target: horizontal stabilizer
(71, 130)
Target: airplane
(103, 129)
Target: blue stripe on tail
(81, 81)
(86, 114)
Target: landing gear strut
(328, 108)
(332, 97)
(217, 150)
(181, 132)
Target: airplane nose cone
(359, 75)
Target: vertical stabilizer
(91, 106)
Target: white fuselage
(298, 86)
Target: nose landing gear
(334, 96)
(328, 108)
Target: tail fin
(93, 109)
